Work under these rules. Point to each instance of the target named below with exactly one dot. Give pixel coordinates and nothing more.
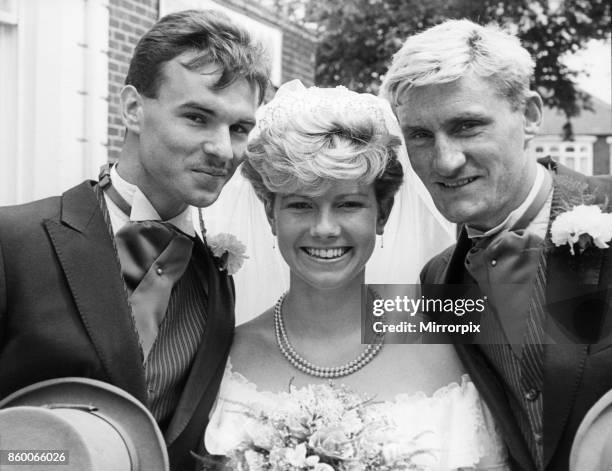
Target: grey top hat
(97, 427)
(592, 447)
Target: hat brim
(591, 447)
(113, 402)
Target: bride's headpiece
(307, 138)
(294, 99)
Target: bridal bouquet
(326, 427)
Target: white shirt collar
(143, 210)
(515, 215)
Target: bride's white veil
(414, 233)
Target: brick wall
(299, 45)
(298, 58)
(128, 21)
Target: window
(577, 154)
(53, 95)
(8, 100)
(609, 142)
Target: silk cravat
(153, 257)
(504, 267)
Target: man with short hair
(461, 93)
(110, 281)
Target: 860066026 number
(16, 457)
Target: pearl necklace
(309, 368)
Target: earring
(273, 242)
(381, 241)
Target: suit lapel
(575, 289)
(576, 302)
(563, 359)
(85, 252)
(563, 367)
(452, 273)
(212, 353)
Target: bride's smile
(323, 253)
(327, 238)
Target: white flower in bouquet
(333, 442)
(297, 458)
(254, 461)
(325, 427)
(352, 422)
(260, 434)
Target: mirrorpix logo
(437, 315)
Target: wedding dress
(454, 421)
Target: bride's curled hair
(308, 139)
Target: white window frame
(609, 142)
(561, 152)
(9, 86)
(60, 100)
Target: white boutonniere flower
(584, 225)
(229, 250)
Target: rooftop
(596, 122)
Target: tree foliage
(357, 38)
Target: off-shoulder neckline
(462, 385)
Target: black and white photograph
(305, 235)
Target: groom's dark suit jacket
(575, 375)
(64, 311)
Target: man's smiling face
(192, 136)
(467, 143)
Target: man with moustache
(110, 281)
(461, 94)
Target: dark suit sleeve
(432, 271)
